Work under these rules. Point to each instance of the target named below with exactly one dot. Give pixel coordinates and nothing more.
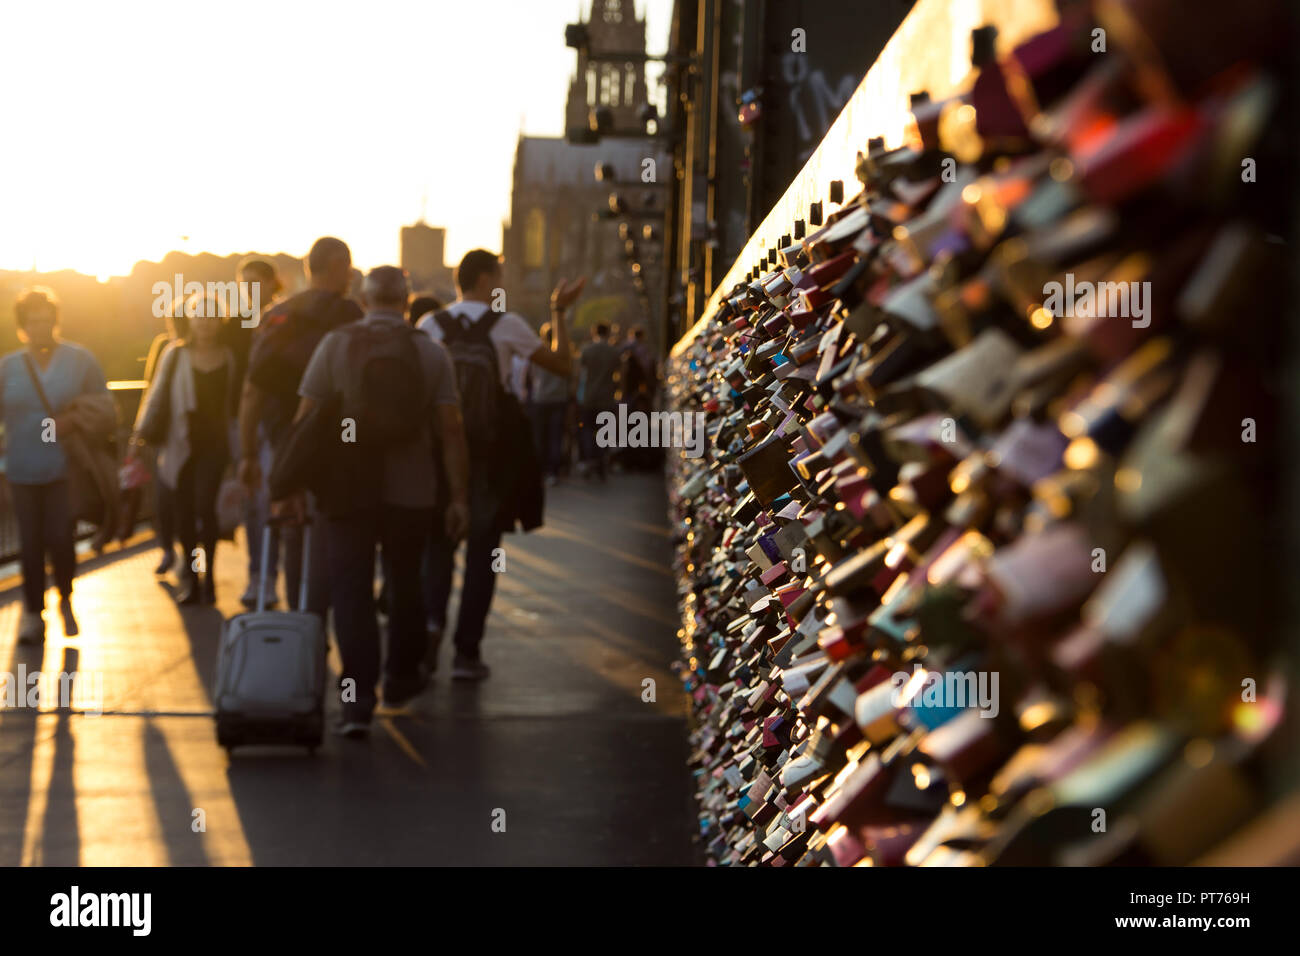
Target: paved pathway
(559, 738)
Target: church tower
(613, 28)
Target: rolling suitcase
(271, 672)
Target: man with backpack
(285, 339)
(483, 340)
(390, 390)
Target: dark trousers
(164, 510)
(590, 450)
(44, 526)
(548, 433)
(480, 581)
(196, 506)
(256, 510)
(401, 534)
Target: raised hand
(566, 293)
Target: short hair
(420, 306)
(37, 298)
(385, 285)
(602, 329)
(326, 250)
(475, 264)
(263, 268)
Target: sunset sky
(261, 125)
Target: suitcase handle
(266, 557)
(266, 563)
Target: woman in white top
(194, 396)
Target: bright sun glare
(245, 126)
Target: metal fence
(126, 396)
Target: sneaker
(353, 729)
(31, 628)
(190, 590)
(464, 668)
(70, 628)
(249, 597)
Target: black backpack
(478, 378)
(383, 389)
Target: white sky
(259, 125)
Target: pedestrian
(478, 319)
(398, 389)
(197, 384)
(260, 284)
(285, 340)
(420, 306)
(597, 389)
(415, 310)
(638, 383)
(46, 370)
(260, 280)
(177, 328)
(640, 375)
(548, 407)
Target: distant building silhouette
(115, 319)
(613, 27)
(554, 232)
(423, 254)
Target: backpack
(478, 378)
(383, 389)
(283, 344)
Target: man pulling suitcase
(376, 399)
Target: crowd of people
(335, 432)
(605, 372)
